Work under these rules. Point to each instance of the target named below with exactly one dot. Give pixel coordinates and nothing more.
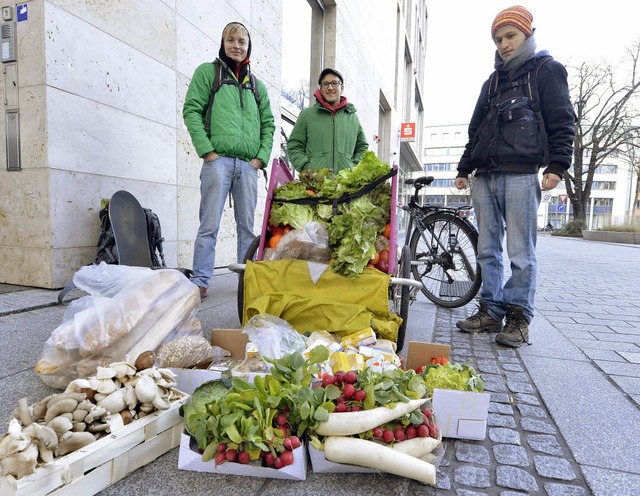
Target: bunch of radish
(352, 397)
(397, 432)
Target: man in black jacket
(523, 121)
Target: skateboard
(129, 225)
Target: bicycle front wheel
(444, 250)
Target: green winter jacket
(239, 128)
(319, 140)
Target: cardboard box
(190, 459)
(461, 414)
(95, 467)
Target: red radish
(222, 448)
(341, 408)
(327, 380)
(243, 457)
(411, 432)
(339, 378)
(359, 395)
(284, 430)
(433, 430)
(426, 412)
(220, 458)
(295, 442)
(423, 431)
(277, 463)
(232, 455)
(269, 459)
(399, 435)
(281, 419)
(377, 433)
(287, 458)
(387, 436)
(351, 377)
(348, 391)
(340, 399)
(356, 408)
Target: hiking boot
(516, 329)
(203, 292)
(480, 321)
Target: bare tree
(633, 155)
(605, 105)
(299, 96)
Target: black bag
(107, 251)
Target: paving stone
(508, 454)
(497, 420)
(472, 476)
(515, 478)
(619, 368)
(520, 387)
(553, 467)
(488, 369)
(630, 385)
(500, 408)
(513, 367)
(532, 411)
(501, 398)
(503, 435)
(596, 354)
(442, 480)
(517, 377)
(504, 353)
(495, 387)
(527, 399)
(484, 354)
(509, 359)
(510, 493)
(471, 453)
(465, 492)
(545, 443)
(535, 425)
(554, 489)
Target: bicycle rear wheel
(401, 294)
(444, 250)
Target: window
(433, 200)
(606, 169)
(438, 167)
(603, 202)
(609, 185)
(443, 183)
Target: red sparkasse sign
(408, 131)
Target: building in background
(93, 105)
(612, 196)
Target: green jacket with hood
(321, 139)
(239, 127)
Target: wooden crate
(104, 462)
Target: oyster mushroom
(72, 441)
(20, 464)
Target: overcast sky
(460, 51)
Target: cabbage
(452, 376)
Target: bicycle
(443, 248)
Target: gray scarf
(517, 60)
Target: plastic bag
(129, 310)
(186, 347)
(273, 336)
(310, 243)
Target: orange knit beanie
(516, 16)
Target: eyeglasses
(333, 84)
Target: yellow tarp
(311, 297)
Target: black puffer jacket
(505, 137)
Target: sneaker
(516, 329)
(480, 321)
(203, 292)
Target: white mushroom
(77, 386)
(60, 424)
(72, 441)
(130, 397)
(145, 388)
(114, 402)
(106, 386)
(20, 464)
(59, 407)
(123, 370)
(105, 373)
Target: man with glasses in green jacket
(327, 135)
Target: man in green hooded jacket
(328, 134)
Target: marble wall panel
(87, 62)
(30, 44)
(26, 266)
(90, 137)
(146, 25)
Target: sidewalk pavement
(564, 414)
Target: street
(564, 413)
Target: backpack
(107, 251)
(221, 78)
(511, 110)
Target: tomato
(383, 265)
(384, 255)
(276, 230)
(311, 192)
(439, 360)
(274, 240)
(375, 258)
(387, 231)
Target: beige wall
(102, 112)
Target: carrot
(348, 423)
(356, 451)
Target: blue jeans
(218, 178)
(499, 199)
